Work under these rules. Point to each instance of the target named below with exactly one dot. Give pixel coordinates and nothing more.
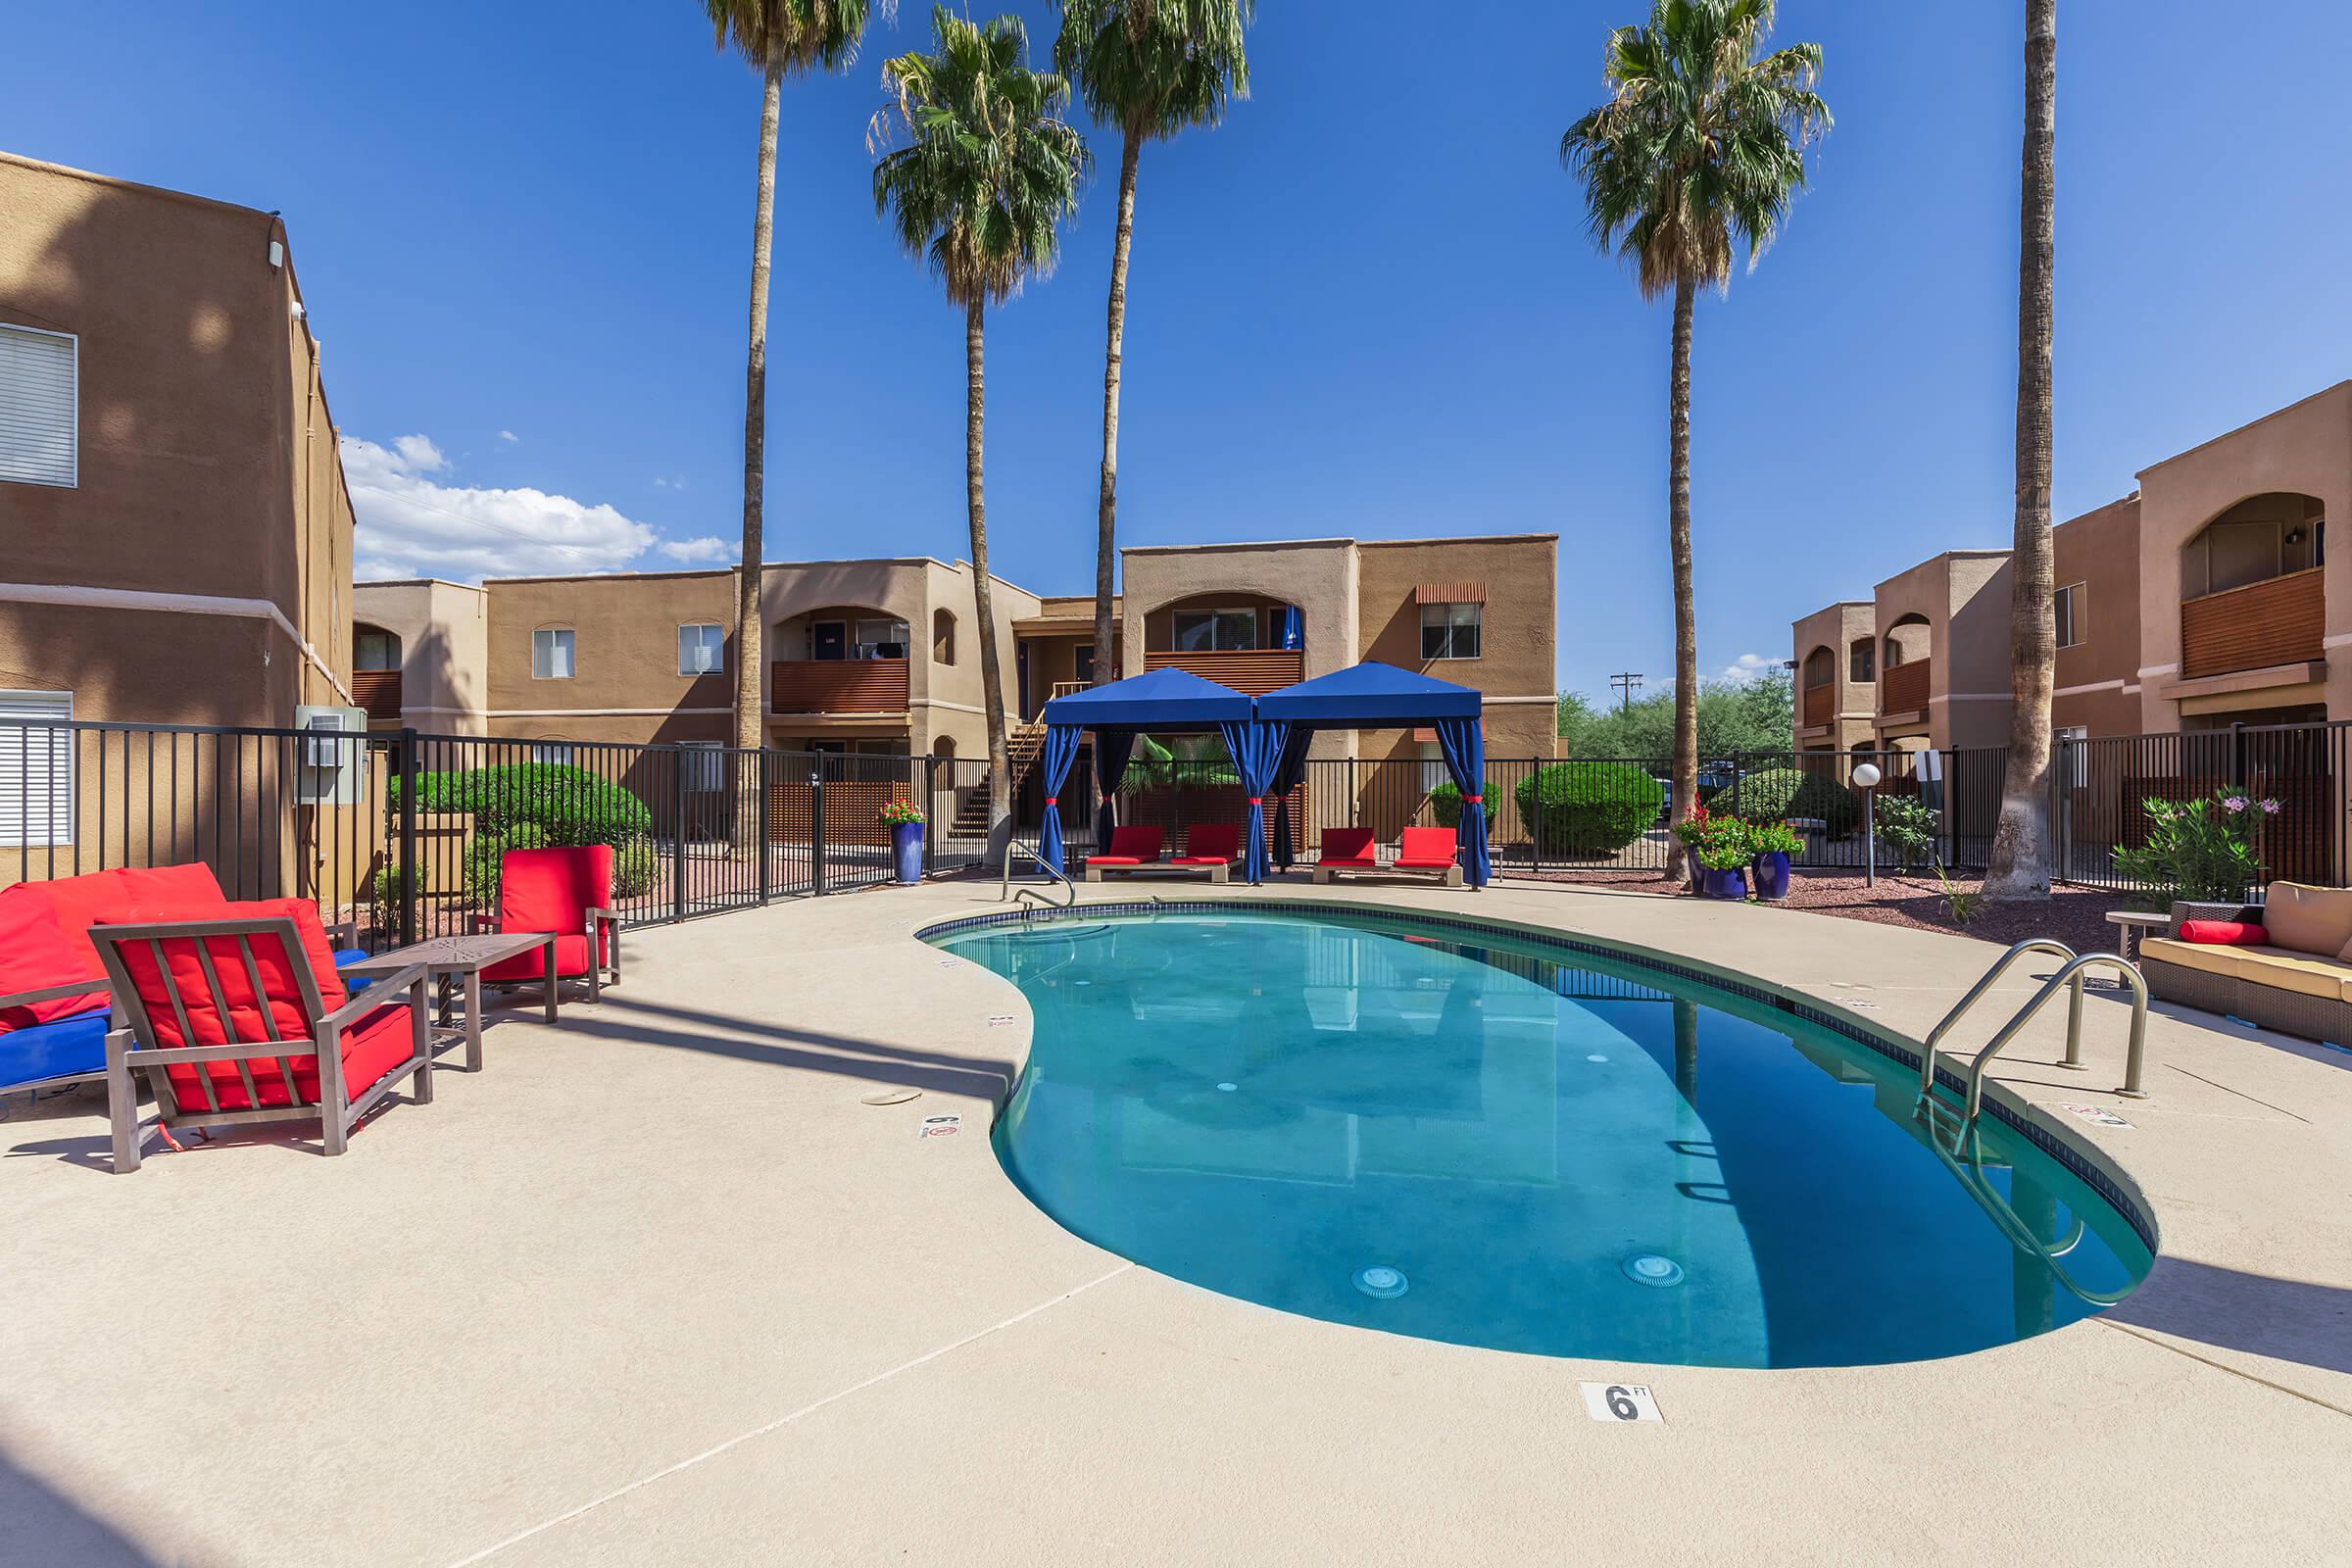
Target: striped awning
(1451, 592)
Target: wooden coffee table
(449, 958)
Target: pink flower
(2233, 803)
(2270, 807)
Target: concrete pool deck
(657, 1286)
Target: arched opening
(1251, 642)
(373, 649)
(1904, 670)
(1862, 661)
(375, 674)
(944, 748)
(2265, 536)
(841, 658)
(942, 637)
(2252, 587)
(1821, 668)
(1906, 642)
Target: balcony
(2281, 620)
(1903, 688)
(379, 692)
(1821, 705)
(1253, 674)
(837, 686)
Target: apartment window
(881, 639)
(1862, 664)
(374, 651)
(2069, 607)
(36, 769)
(706, 768)
(41, 397)
(551, 752)
(551, 654)
(942, 637)
(1449, 631)
(1215, 631)
(702, 649)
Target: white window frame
(556, 751)
(895, 631)
(718, 657)
(20, 744)
(2073, 614)
(573, 649)
(1214, 613)
(74, 461)
(1453, 629)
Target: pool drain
(1597, 1056)
(1381, 1282)
(1227, 1089)
(1649, 1268)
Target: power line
(1627, 684)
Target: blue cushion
(346, 957)
(63, 1048)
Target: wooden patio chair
(241, 1018)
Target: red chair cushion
(45, 928)
(553, 890)
(1132, 845)
(1425, 848)
(2223, 933)
(1350, 846)
(373, 1047)
(1211, 844)
(571, 962)
(1117, 859)
(236, 1013)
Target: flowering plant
(900, 811)
(1774, 838)
(2202, 851)
(1720, 842)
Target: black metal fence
(400, 832)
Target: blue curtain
(1257, 748)
(1112, 749)
(1061, 750)
(1293, 636)
(1465, 748)
(1287, 773)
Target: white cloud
(1746, 667)
(709, 547)
(507, 435)
(412, 525)
(661, 483)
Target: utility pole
(1627, 684)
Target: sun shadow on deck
(49, 1527)
(813, 1050)
(2287, 1320)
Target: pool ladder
(2070, 975)
(1024, 896)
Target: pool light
(1649, 1268)
(1382, 1283)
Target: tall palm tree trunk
(2021, 861)
(1686, 615)
(1106, 659)
(991, 683)
(750, 724)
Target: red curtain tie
(1258, 800)
(1474, 799)
(1052, 799)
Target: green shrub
(1446, 804)
(530, 805)
(633, 868)
(1587, 808)
(1779, 793)
(1908, 831)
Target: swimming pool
(1471, 1136)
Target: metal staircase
(1025, 743)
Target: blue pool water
(1469, 1140)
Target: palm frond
(796, 35)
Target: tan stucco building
(2203, 598)
(175, 532)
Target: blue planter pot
(1771, 871)
(907, 847)
(1731, 884)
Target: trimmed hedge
(1588, 807)
(1446, 804)
(1777, 794)
(526, 805)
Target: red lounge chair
(1211, 848)
(1131, 848)
(1429, 851)
(241, 1018)
(568, 891)
(1347, 849)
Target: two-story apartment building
(2203, 598)
(174, 533)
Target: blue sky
(1365, 306)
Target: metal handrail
(2072, 974)
(2010, 1223)
(1006, 893)
(1926, 1055)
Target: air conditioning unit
(331, 757)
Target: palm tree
(1699, 150)
(780, 38)
(2020, 865)
(1151, 68)
(979, 193)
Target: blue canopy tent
(1156, 702)
(1373, 696)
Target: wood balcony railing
(1821, 704)
(1252, 674)
(2281, 620)
(1903, 688)
(379, 692)
(837, 686)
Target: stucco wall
(2101, 550)
(444, 632)
(626, 684)
(1853, 705)
(1964, 598)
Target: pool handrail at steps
(2070, 975)
(1007, 892)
